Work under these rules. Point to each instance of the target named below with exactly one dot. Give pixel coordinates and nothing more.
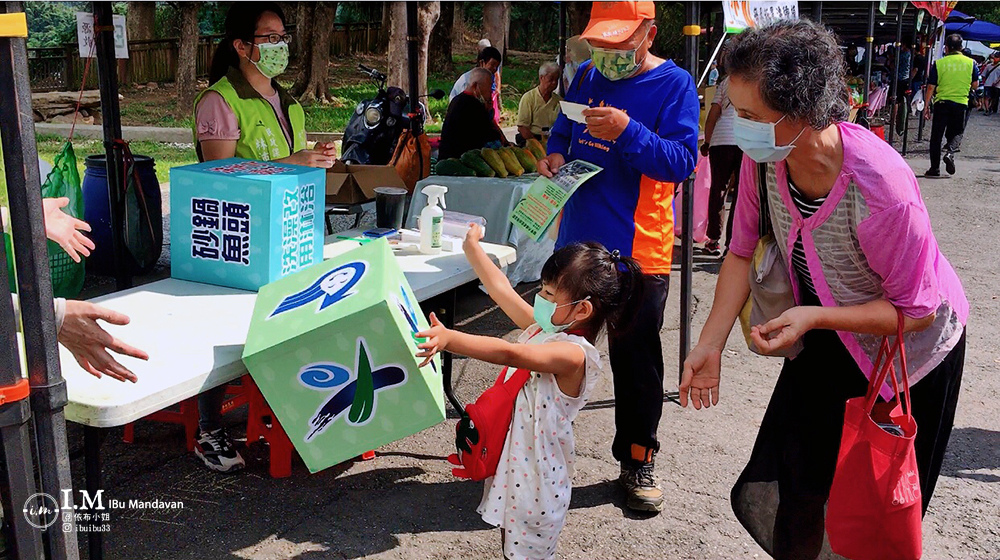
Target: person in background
(918, 74)
(724, 157)
(245, 113)
(577, 52)
(642, 129)
(991, 81)
(854, 68)
(904, 72)
(468, 124)
(713, 74)
(539, 107)
(490, 59)
(952, 77)
(847, 211)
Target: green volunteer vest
(261, 137)
(954, 78)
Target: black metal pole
(92, 439)
(893, 91)
(562, 47)
(48, 389)
(411, 53)
(107, 72)
(913, 61)
(817, 12)
(928, 56)
(692, 17)
(869, 54)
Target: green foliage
(986, 11)
(669, 42)
(51, 24)
(359, 12)
(534, 26)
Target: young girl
(584, 287)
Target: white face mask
(756, 139)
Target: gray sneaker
(643, 491)
(218, 451)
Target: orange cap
(615, 22)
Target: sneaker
(932, 173)
(949, 163)
(712, 247)
(217, 451)
(644, 493)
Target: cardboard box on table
(333, 353)
(354, 184)
(242, 223)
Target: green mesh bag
(64, 181)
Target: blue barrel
(97, 210)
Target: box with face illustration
(242, 223)
(333, 352)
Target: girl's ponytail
(630, 289)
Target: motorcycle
(377, 123)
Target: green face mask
(616, 64)
(273, 58)
(545, 309)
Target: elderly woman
(539, 107)
(847, 213)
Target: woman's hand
(438, 337)
(606, 123)
(548, 165)
(701, 377)
(472, 238)
(324, 158)
(89, 343)
(781, 332)
(66, 230)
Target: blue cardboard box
(242, 224)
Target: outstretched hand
(437, 338)
(83, 336)
(700, 379)
(66, 230)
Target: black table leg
(92, 438)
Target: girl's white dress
(529, 496)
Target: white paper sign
(741, 14)
(85, 35)
(574, 111)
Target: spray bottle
(431, 220)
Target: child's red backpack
(482, 429)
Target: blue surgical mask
(756, 139)
(545, 309)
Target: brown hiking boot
(639, 482)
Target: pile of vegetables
(487, 162)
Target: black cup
(390, 203)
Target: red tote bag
(874, 510)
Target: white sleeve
(58, 303)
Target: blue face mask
(545, 309)
(756, 139)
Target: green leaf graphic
(364, 393)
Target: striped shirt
(807, 208)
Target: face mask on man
(273, 58)
(756, 139)
(616, 64)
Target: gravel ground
(406, 504)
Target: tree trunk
(427, 16)
(383, 30)
(577, 17)
(318, 64)
(140, 23)
(439, 54)
(496, 24)
(187, 56)
(303, 44)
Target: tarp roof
(978, 30)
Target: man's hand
(700, 377)
(606, 123)
(704, 149)
(927, 113)
(89, 343)
(548, 165)
(66, 230)
(781, 332)
(437, 340)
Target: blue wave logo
(357, 398)
(330, 288)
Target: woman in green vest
(245, 113)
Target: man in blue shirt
(642, 129)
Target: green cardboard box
(332, 350)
